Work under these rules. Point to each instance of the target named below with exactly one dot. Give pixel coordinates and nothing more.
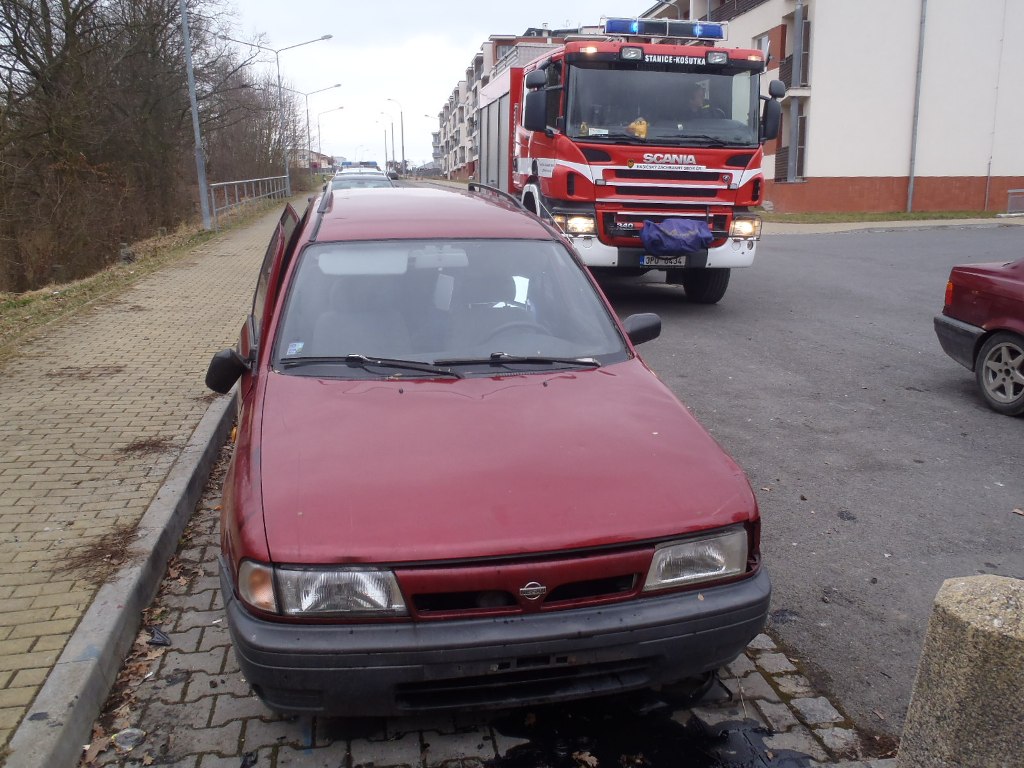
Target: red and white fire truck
(637, 120)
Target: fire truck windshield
(667, 107)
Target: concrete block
(966, 708)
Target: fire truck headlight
(575, 224)
(746, 227)
(629, 53)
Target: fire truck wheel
(705, 286)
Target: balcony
(730, 9)
(786, 72)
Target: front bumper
(404, 668)
(958, 339)
(733, 253)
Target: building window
(762, 43)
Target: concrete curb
(60, 719)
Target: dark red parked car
(982, 328)
(455, 483)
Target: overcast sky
(412, 52)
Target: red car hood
(382, 471)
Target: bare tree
(95, 132)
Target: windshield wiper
(364, 361)
(714, 141)
(503, 358)
(627, 137)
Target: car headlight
(575, 225)
(339, 592)
(709, 558)
(748, 227)
(356, 592)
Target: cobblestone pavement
(196, 710)
(96, 410)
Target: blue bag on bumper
(675, 237)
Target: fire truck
(638, 120)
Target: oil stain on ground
(635, 732)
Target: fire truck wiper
(627, 137)
(713, 141)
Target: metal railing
(229, 195)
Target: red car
(982, 328)
(455, 484)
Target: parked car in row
(982, 327)
(456, 484)
(361, 181)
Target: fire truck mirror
(535, 117)
(776, 89)
(770, 120)
(536, 79)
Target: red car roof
(420, 213)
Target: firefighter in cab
(695, 106)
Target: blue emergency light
(692, 30)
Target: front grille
(629, 173)
(626, 224)
(663, 192)
(528, 679)
(530, 586)
(428, 603)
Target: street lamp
(204, 202)
(401, 121)
(280, 95)
(319, 141)
(309, 139)
(393, 160)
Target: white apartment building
(459, 132)
(893, 104)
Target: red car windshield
(431, 300)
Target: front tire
(705, 286)
(999, 370)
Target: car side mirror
(642, 327)
(392, 175)
(226, 367)
(776, 89)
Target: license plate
(655, 261)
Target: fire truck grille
(663, 175)
(639, 191)
(628, 225)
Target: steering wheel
(526, 324)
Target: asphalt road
(879, 470)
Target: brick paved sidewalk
(96, 411)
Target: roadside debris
(157, 637)
(128, 739)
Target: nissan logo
(533, 591)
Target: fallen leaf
(1018, 511)
(766, 488)
(802, 497)
(147, 759)
(585, 758)
(94, 750)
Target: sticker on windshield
(295, 347)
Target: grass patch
(22, 313)
(848, 217)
